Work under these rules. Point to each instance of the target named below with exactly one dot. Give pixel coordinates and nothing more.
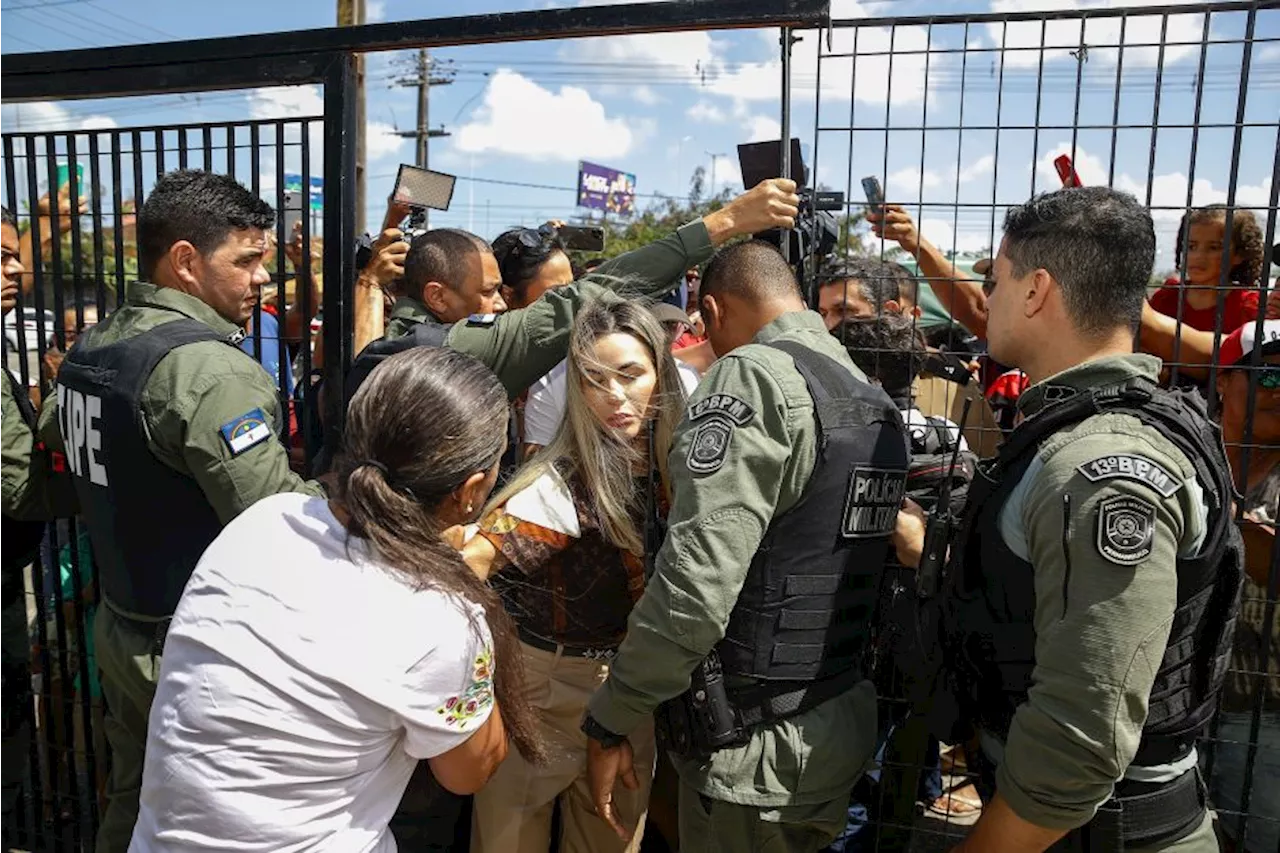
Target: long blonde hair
(584, 448)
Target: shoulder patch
(1126, 527)
(723, 404)
(710, 446)
(1130, 466)
(246, 431)
(482, 319)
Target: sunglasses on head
(535, 239)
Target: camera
(817, 231)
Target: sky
(919, 107)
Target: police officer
(1097, 569)
(32, 494)
(451, 292)
(784, 475)
(170, 431)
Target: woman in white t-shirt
(323, 647)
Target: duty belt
(597, 653)
(1147, 814)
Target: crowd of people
(650, 548)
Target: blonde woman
(564, 546)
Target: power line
(11, 8)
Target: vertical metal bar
(11, 181)
(1183, 227)
(231, 150)
(208, 148)
(1080, 60)
(182, 148)
(955, 209)
(137, 177)
(1115, 109)
(1035, 138)
(888, 104)
(55, 259)
(853, 110)
(77, 284)
(159, 143)
(1155, 109)
(339, 232)
(36, 272)
(808, 282)
(117, 213)
(995, 166)
(303, 297)
(785, 242)
(99, 251)
(924, 144)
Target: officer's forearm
(1000, 830)
(654, 269)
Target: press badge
(246, 431)
(871, 507)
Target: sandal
(961, 803)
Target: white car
(31, 327)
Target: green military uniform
(788, 787)
(1104, 604)
(192, 393)
(31, 493)
(523, 346)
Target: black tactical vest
(149, 524)
(993, 603)
(428, 333)
(802, 621)
(21, 538)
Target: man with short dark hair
(453, 274)
(858, 287)
(170, 431)
(1097, 569)
(785, 476)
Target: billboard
(293, 183)
(603, 188)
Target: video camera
(817, 231)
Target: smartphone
(874, 192)
(582, 238)
(1067, 171)
(947, 366)
(292, 212)
(64, 172)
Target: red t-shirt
(1241, 307)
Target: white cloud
(728, 173)
(645, 95)
(1091, 169)
(381, 140)
(982, 166)
(906, 184)
(1065, 35)
(522, 119)
(940, 233)
(868, 78)
(374, 11)
(41, 116)
(665, 53)
(705, 112)
(763, 128)
(285, 102)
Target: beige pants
(513, 812)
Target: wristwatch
(600, 734)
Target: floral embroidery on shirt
(460, 709)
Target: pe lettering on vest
(871, 507)
(79, 417)
(1129, 466)
(246, 431)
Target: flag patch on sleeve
(246, 431)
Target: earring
(468, 507)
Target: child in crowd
(1194, 299)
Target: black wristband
(599, 733)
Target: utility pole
(351, 14)
(714, 158)
(423, 79)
